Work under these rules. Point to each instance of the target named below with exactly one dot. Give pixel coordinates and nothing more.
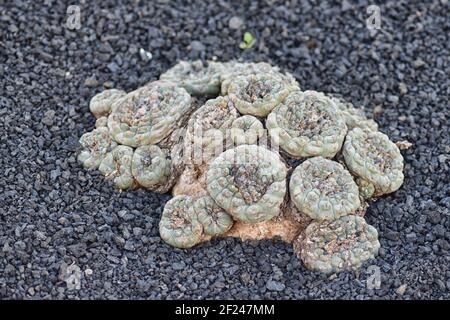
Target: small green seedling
(248, 42)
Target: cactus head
(249, 182)
(117, 166)
(148, 114)
(374, 158)
(257, 94)
(307, 124)
(100, 105)
(214, 219)
(233, 69)
(151, 167)
(196, 77)
(323, 189)
(333, 246)
(95, 146)
(246, 130)
(208, 129)
(179, 226)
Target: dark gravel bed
(54, 214)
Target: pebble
(235, 23)
(401, 290)
(275, 285)
(91, 82)
(197, 46)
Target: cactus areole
(227, 161)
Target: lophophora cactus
(307, 124)
(226, 160)
(249, 182)
(337, 245)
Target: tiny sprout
(248, 42)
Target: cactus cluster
(237, 146)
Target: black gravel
(54, 214)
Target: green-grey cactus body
(214, 219)
(333, 246)
(196, 77)
(354, 117)
(208, 129)
(249, 182)
(323, 189)
(117, 166)
(374, 158)
(233, 69)
(149, 114)
(100, 104)
(151, 167)
(257, 94)
(366, 188)
(158, 136)
(179, 226)
(95, 146)
(307, 124)
(246, 130)
(102, 122)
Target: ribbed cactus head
(214, 219)
(375, 159)
(323, 189)
(249, 182)
(149, 114)
(246, 130)
(151, 167)
(101, 104)
(197, 77)
(117, 166)
(307, 124)
(179, 225)
(258, 94)
(95, 146)
(337, 245)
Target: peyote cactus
(151, 168)
(196, 77)
(208, 130)
(235, 69)
(220, 159)
(117, 166)
(341, 244)
(149, 114)
(246, 130)
(102, 122)
(96, 145)
(179, 225)
(249, 182)
(214, 219)
(323, 189)
(307, 124)
(101, 103)
(375, 159)
(257, 94)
